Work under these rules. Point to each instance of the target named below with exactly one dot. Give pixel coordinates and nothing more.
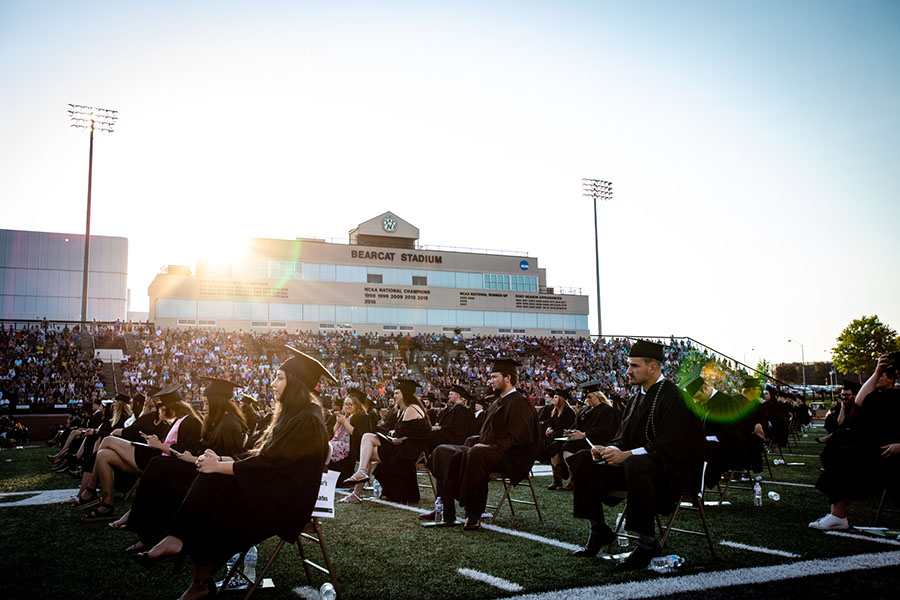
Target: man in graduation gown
(455, 422)
(725, 431)
(656, 455)
(508, 444)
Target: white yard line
(803, 485)
(667, 586)
(760, 549)
(42, 497)
(868, 538)
(497, 582)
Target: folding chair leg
(503, 499)
(662, 542)
(880, 506)
(534, 497)
(325, 555)
(712, 550)
(262, 574)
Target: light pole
(602, 190)
(101, 119)
(802, 360)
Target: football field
(380, 550)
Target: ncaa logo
(524, 265)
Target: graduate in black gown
(353, 422)
(397, 452)
(167, 479)
(508, 444)
(233, 504)
(656, 455)
(557, 423)
(596, 423)
(455, 421)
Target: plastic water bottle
(250, 564)
(778, 461)
(231, 562)
(327, 592)
(438, 509)
(376, 489)
(622, 540)
(757, 494)
(665, 564)
(773, 495)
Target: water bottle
(665, 564)
(376, 489)
(327, 592)
(778, 461)
(250, 564)
(773, 495)
(620, 527)
(231, 562)
(438, 509)
(757, 494)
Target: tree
(764, 367)
(861, 343)
(786, 372)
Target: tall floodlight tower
(597, 189)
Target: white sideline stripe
(497, 582)
(667, 586)
(805, 485)
(868, 538)
(487, 526)
(43, 497)
(741, 546)
(803, 455)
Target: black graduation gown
(599, 425)
(559, 424)
(271, 493)
(167, 479)
(672, 435)
(397, 470)
(188, 440)
(146, 424)
(456, 422)
(722, 420)
(106, 428)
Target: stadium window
(418, 280)
(373, 278)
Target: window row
(284, 270)
(273, 311)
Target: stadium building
(42, 274)
(381, 281)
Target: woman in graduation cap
(234, 504)
(166, 479)
(397, 457)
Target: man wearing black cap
(656, 455)
(508, 444)
(455, 421)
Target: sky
(753, 146)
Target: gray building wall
(41, 276)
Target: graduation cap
(505, 365)
(751, 382)
(219, 387)
(461, 391)
(358, 394)
(591, 386)
(120, 397)
(306, 368)
(407, 386)
(562, 393)
(151, 390)
(170, 395)
(854, 387)
(247, 399)
(693, 384)
(645, 349)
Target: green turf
(381, 551)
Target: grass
(380, 551)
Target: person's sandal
(353, 498)
(83, 503)
(358, 477)
(103, 512)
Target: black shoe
(640, 558)
(596, 542)
(472, 523)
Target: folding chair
(422, 467)
(507, 488)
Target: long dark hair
(219, 406)
(289, 410)
(413, 400)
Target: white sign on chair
(325, 501)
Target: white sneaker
(829, 522)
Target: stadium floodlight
(802, 360)
(99, 119)
(597, 189)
